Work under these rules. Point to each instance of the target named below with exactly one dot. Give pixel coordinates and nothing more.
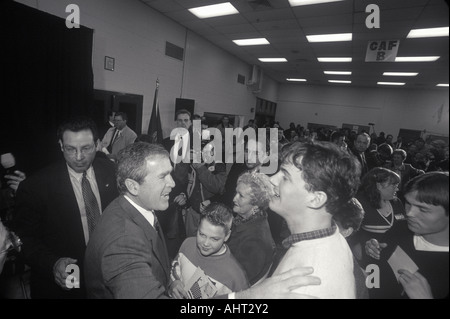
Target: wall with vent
(389, 109)
(135, 36)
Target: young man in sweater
(316, 182)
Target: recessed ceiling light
(390, 83)
(339, 81)
(416, 58)
(400, 73)
(429, 32)
(272, 59)
(330, 37)
(295, 3)
(255, 41)
(338, 72)
(215, 10)
(296, 80)
(443, 84)
(334, 59)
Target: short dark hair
(123, 115)
(353, 216)
(431, 187)
(132, 162)
(336, 135)
(385, 149)
(365, 135)
(327, 168)
(218, 214)
(77, 124)
(183, 111)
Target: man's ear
(61, 145)
(227, 236)
(132, 186)
(318, 199)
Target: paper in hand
(400, 260)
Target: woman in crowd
(251, 241)
(405, 171)
(377, 195)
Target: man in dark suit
(54, 219)
(362, 143)
(126, 256)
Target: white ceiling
(286, 27)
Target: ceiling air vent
(174, 51)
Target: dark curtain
(47, 78)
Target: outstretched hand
(281, 286)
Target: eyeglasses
(84, 150)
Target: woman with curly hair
(251, 241)
(377, 195)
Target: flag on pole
(154, 127)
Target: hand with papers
(415, 285)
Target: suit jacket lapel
(157, 242)
(67, 200)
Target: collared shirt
(148, 214)
(422, 244)
(315, 234)
(75, 179)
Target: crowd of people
(138, 220)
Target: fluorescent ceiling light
(295, 3)
(334, 59)
(215, 10)
(339, 81)
(429, 32)
(338, 72)
(443, 84)
(400, 73)
(272, 59)
(256, 41)
(330, 37)
(416, 58)
(296, 80)
(390, 83)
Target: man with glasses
(58, 208)
(119, 136)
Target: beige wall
(389, 109)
